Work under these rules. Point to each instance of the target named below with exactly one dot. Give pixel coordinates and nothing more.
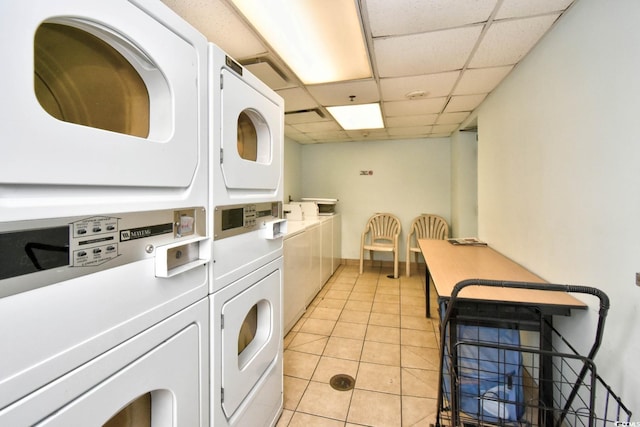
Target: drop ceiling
(433, 61)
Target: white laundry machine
(103, 211)
(153, 378)
(103, 109)
(246, 178)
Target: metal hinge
(221, 82)
(221, 155)
(222, 321)
(222, 394)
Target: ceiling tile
(521, 8)
(426, 53)
(414, 107)
(328, 135)
(443, 129)
(297, 99)
(481, 80)
(464, 103)
(365, 92)
(404, 121)
(306, 116)
(507, 42)
(368, 134)
(435, 85)
(415, 131)
(221, 26)
(452, 118)
(317, 127)
(416, 16)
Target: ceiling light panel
(220, 25)
(401, 17)
(320, 40)
(507, 42)
(363, 116)
(426, 53)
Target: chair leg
(395, 264)
(408, 267)
(361, 261)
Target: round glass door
(81, 79)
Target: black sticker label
(143, 232)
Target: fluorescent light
(361, 116)
(320, 40)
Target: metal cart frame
(561, 386)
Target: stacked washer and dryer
(248, 229)
(140, 223)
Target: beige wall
(409, 177)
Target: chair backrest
(384, 226)
(428, 226)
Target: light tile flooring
(374, 329)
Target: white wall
(464, 185)
(559, 173)
(410, 177)
(292, 170)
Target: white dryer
(103, 109)
(247, 134)
(103, 209)
(246, 350)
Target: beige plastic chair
(426, 226)
(381, 234)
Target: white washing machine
(103, 208)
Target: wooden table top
(449, 264)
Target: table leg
(427, 290)
(546, 371)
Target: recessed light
(359, 116)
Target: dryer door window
(135, 414)
(250, 338)
(251, 137)
(79, 78)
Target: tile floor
(374, 329)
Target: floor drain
(342, 382)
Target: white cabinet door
(297, 260)
(337, 242)
(327, 250)
(314, 277)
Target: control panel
(42, 252)
(233, 220)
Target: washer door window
(250, 339)
(109, 96)
(251, 127)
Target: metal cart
(488, 377)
